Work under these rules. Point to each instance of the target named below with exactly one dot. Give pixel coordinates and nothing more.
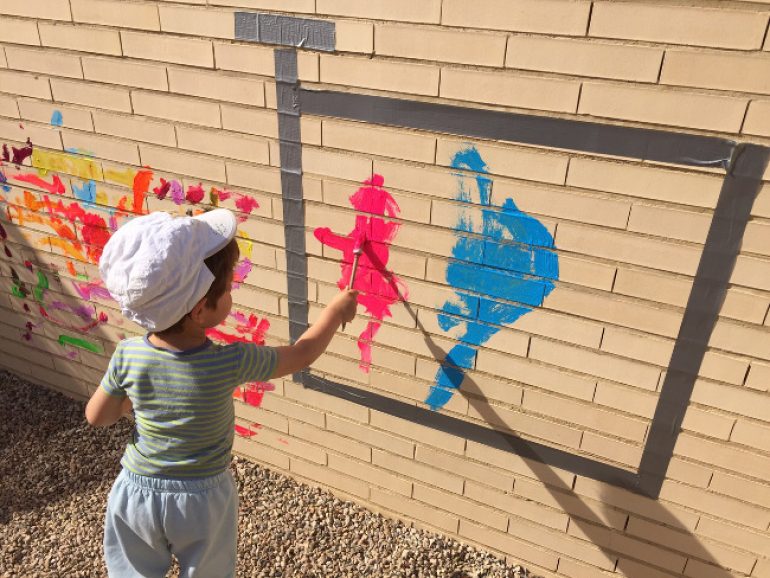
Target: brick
(584, 58)
(354, 36)
(331, 441)
(258, 416)
(322, 162)
(415, 431)
(645, 182)
(611, 449)
(751, 434)
(666, 107)
(465, 468)
(532, 373)
(503, 542)
(726, 71)
(127, 73)
(441, 520)
(634, 249)
(207, 23)
(113, 13)
(517, 506)
(762, 569)
(363, 138)
(679, 25)
(373, 475)
(40, 111)
(189, 110)
(751, 272)
(586, 272)
(329, 478)
(91, 95)
(752, 541)
(80, 38)
(644, 347)
(466, 508)
(441, 45)
(258, 178)
(634, 401)
(758, 118)
(168, 48)
(661, 510)
(743, 339)
(224, 144)
(327, 403)
(44, 61)
(689, 473)
(428, 11)
(586, 415)
(366, 73)
(418, 471)
(102, 147)
(746, 490)
(182, 163)
(412, 389)
(282, 5)
(510, 89)
(518, 162)
(260, 453)
(526, 424)
(722, 455)
(706, 502)
(44, 136)
(370, 436)
(250, 120)
(44, 9)
(134, 128)
(217, 86)
(260, 60)
(738, 304)
(10, 108)
(544, 16)
(19, 31)
(591, 362)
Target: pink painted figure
(378, 287)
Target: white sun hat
(153, 265)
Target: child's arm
(309, 347)
(104, 409)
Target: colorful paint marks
(503, 266)
(81, 343)
(379, 288)
(17, 156)
(67, 163)
(55, 187)
(56, 118)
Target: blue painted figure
(503, 266)
(56, 118)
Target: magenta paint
(195, 193)
(162, 190)
(242, 270)
(20, 155)
(177, 192)
(246, 204)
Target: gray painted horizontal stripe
(286, 31)
(572, 135)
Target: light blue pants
(148, 519)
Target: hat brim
(222, 227)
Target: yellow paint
(68, 247)
(67, 163)
(124, 177)
(101, 198)
(245, 247)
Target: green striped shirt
(183, 403)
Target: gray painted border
(286, 31)
(745, 164)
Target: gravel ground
(56, 472)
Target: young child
(175, 493)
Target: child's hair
(221, 265)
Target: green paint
(18, 291)
(81, 343)
(82, 277)
(41, 288)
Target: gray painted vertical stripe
(290, 147)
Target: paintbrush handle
(352, 277)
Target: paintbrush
(358, 248)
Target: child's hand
(345, 303)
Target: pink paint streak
(177, 192)
(242, 270)
(162, 190)
(243, 431)
(378, 287)
(87, 290)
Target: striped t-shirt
(183, 403)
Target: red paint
(246, 204)
(223, 195)
(71, 269)
(55, 187)
(20, 155)
(28, 265)
(243, 432)
(142, 180)
(162, 190)
(195, 194)
(378, 287)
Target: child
(175, 493)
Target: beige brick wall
(162, 91)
